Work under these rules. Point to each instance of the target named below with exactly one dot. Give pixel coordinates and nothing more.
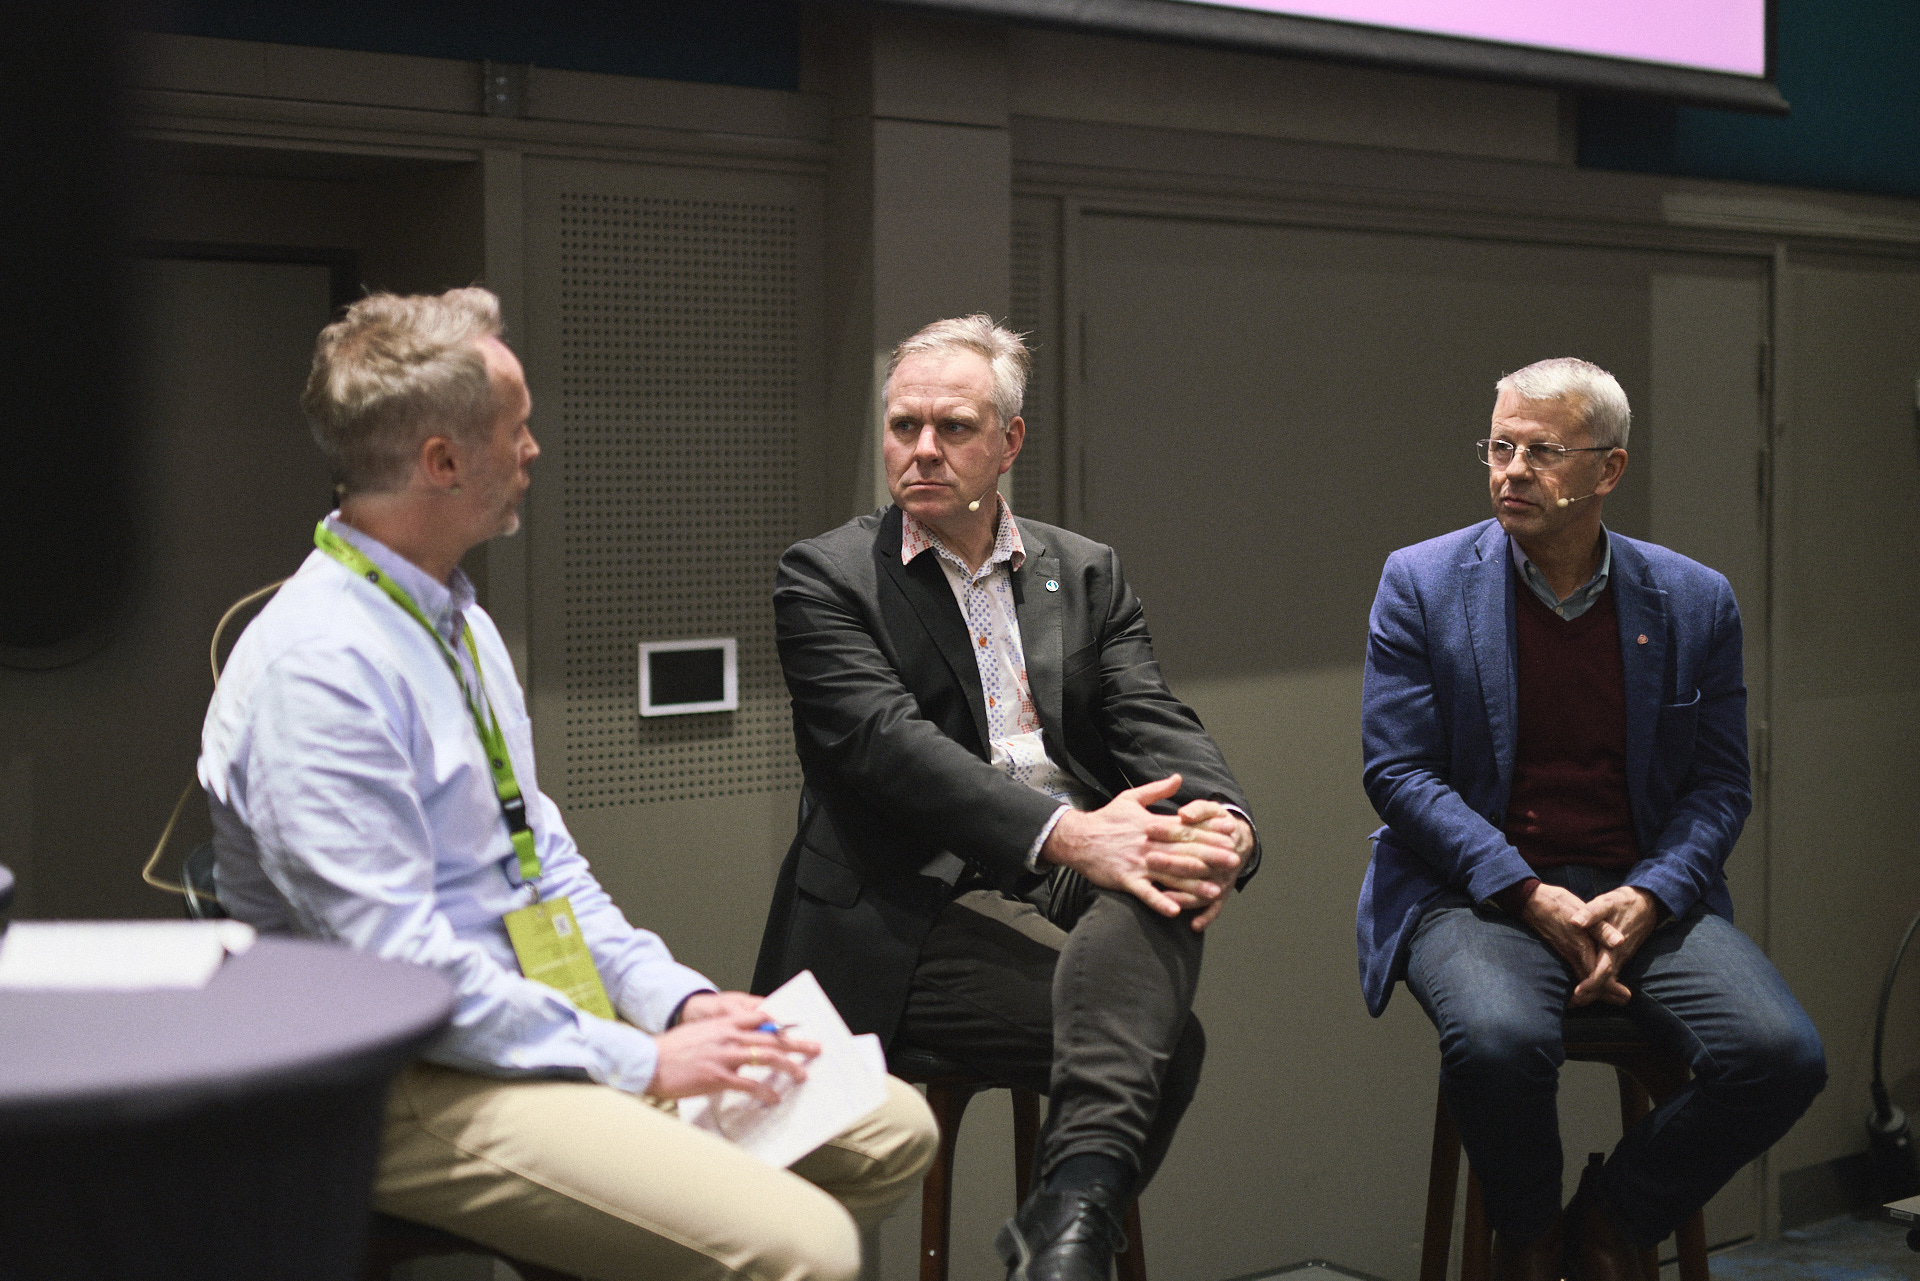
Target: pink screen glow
(1713, 35)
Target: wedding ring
(753, 1056)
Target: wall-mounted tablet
(681, 677)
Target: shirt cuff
(651, 999)
(1046, 830)
(625, 1057)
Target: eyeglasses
(1499, 453)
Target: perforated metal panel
(1038, 476)
(679, 350)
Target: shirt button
(991, 703)
(983, 642)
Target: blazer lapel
(924, 584)
(1488, 599)
(1040, 632)
(1042, 613)
(1642, 609)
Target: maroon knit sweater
(1569, 801)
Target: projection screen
(1702, 52)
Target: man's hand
(1618, 922)
(1115, 847)
(703, 1055)
(1562, 920)
(1207, 887)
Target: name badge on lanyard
(545, 936)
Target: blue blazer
(1439, 720)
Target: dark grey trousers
(1084, 995)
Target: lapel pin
(1053, 585)
(1641, 639)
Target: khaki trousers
(586, 1179)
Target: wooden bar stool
(1643, 1070)
(950, 1087)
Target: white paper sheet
(118, 956)
(844, 1083)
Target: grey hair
(1006, 356)
(395, 370)
(1602, 405)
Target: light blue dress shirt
(1583, 596)
(352, 801)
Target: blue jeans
(1700, 987)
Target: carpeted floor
(1842, 1249)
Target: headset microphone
(1568, 502)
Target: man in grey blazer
(1555, 734)
(1012, 834)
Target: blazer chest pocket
(820, 877)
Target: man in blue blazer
(1554, 727)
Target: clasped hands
(1172, 863)
(718, 1034)
(1597, 938)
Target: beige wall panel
(1706, 326)
(1137, 82)
(1846, 757)
(672, 343)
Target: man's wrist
(680, 1010)
(1514, 899)
(1037, 852)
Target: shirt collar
(1583, 595)
(443, 604)
(1008, 549)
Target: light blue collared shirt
(352, 801)
(1583, 597)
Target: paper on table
(120, 956)
(846, 1081)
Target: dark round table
(229, 1131)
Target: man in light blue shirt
(367, 756)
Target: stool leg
(1634, 1106)
(1026, 1137)
(1691, 1243)
(1131, 1263)
(948, 1104)
(1476, 1249)
(1443, 1180)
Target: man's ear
(439, 463)
(1016, 437)
(1614, 468)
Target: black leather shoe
(1536, 1260)
(1595, 1250)
(1064, 1234)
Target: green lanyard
(513, 806)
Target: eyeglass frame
(1532, 454)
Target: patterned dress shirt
(985, 597)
